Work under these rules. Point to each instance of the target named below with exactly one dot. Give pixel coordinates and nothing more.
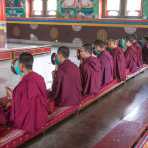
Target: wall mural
(102, 35)
(129, 30)
(16, 31)
(78, 8)
(15, 8)
(57, 32)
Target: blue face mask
(17, 69)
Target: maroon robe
(107, 66)
(90, 76)
(66, 87)
(131, 59)
(119, 64)
(2, 116)
(29, 105)
(139, 54)
(145, 53)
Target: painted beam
(99, 22)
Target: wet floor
(84, 130)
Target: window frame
(141, 11)
(105, 12)
(45, 14)
(122, 13)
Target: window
(44, 8)
(37, 7)
(133, 8)
(113, 8)
(51, 7)
(122, 8)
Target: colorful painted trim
(14, 53)
(99, 22)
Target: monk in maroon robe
(119, 60)
(66, 87)
(139, 53)
(29, 98)
(90, 70)
(138, 50)
(131, 57)
(145, 52)
(106, 61)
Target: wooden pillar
(2, 24)
(28, 8)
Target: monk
(66, 87)
(119, 60)
(106, 61)
(131, 57)
(138, 47)
(90, 71)
(29, 98)
(145, 51)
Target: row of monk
(28, 105)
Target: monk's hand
(8, 93)
(5, 102)
(8, 103)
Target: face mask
(122, 43)
(109, 49)
(57, 61)
(54, 59)
(17, 69)
(96, 52)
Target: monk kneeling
(90, 69)
(66, 87)
(119, 60)
(131, 57)
(29, 108)
(139, 51)
(106, 61)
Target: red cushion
(8, 135)
(105, 89)
(14, 137)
